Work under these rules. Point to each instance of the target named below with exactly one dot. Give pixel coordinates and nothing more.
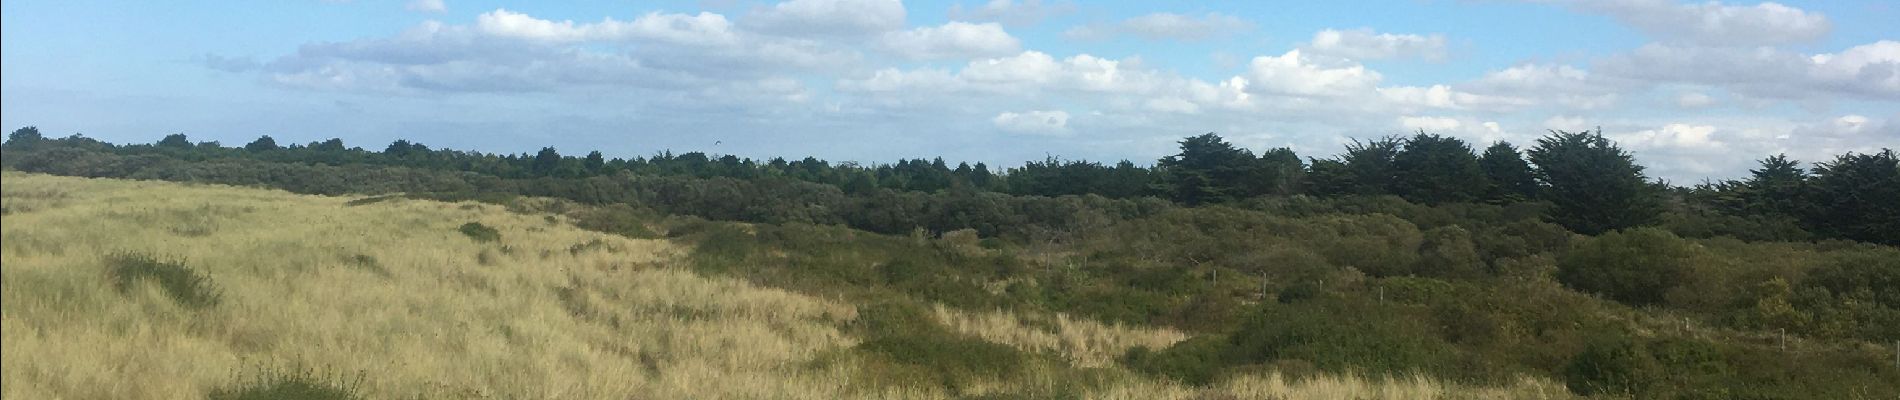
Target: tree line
(1590, 184)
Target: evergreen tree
(1279, 173)
(1329, 177)
(1371, 165)
(1509, 176)
(1208, 170)
(1857, 196)
(1596, 186)
(595, 162)
(25, 137)
(176, 141)
(263, 143)
(545, 162)
(1777, 188)
(1437, 169)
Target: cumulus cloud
(1365, 44)
(1295, 73)
(953, 40)
(1164, 26)
(828, 18)
(1033, 122)
(1713, 23)
(434, 6)
(1010, 12)
(1870, 70)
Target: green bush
(1196, 361)
(1636, 267)
(479, 232)
(291, 384)
(1447, 252)
(1611, 366)
(184, 285)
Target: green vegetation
(1402, 258)
(479, 232)
(294, 384)
(182, 284)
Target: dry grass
(1084, 343)
(559, 313)
(393, 292)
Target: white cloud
(1164, 26)
(434, 6)
(1565, 123)
(1429, 124)
(828, 18)
(1294, 73)
(1675, 136)
(1365, 44)
(1871, 70)
(1714, 23)
(1033, 122)
(953, 40)
(1010, 12)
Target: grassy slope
(392, 294)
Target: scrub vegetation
(1557, 272)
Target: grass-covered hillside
(120, 289)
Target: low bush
(479, 232)
(291, 384)
(184, 285)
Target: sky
(1696, 90)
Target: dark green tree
(1776, 188)
(1509, 176)
(1857, 196)
(1279, 173)
(1371, 165)
(263, 143)
(176, 141)
(1329, 177)
(25, 137)
(1437, 169)
(595, 162)
(1208, 170)
(1596, 186)
(545, 162)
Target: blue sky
(1696, 89)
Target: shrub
(1636, 267)
(184, 285)
(1612, 365)
(1447, 252)
(479, 232)
(292, 384)
(1197, 361)
(905, 334)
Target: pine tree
(1208, 170)
(1437, 169)
(1596, 186)
(1509, 176)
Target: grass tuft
(184, 285)
(291, 384)
(479, 232)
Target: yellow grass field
(392, 294)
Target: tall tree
(1437, 169)
(1371, 164)
(25, 137)
(595, 162)
(1509, 176)
(545, 162)
(1208, 170)
(1329, 177)
(1596, 186)
(1279, 172)
(176, 140)
(1776, 188)
(263, 143)
(1857, 196)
